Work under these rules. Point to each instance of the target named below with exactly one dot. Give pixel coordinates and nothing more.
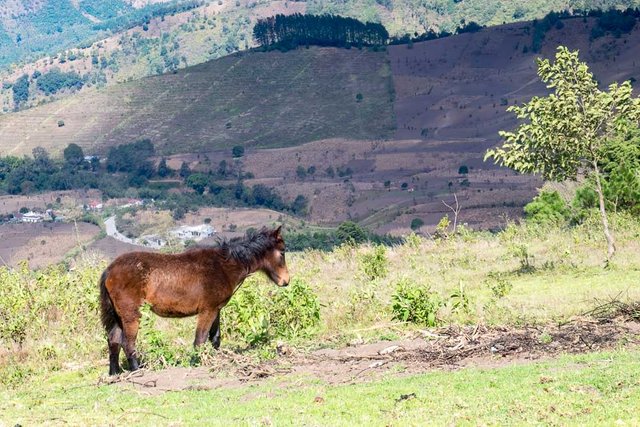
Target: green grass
(594, 389)
(53, 353)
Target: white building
(32, 217)
(195, 232)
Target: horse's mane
(246, 250)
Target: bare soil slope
(458, 88)
(42, 244)
(448, 348)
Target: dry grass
(565, 279)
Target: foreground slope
(255, 99)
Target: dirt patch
(42, 244)
(447, 348)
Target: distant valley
(406, 126)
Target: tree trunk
(611, 245)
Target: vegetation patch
(290, 31)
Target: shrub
(524, 257)
(31, 301)
(21, 90)
(499, 285)
(547, 208)
(296, 310)
(374, 264)
(154, 346)
(301, 172)
(416, 223)
(460, 301)
(56, 80)
(237, 151)
(350, 232)
(258, 313)
(415, 303)
(442, 228)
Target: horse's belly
(172, 311)
(174, 301)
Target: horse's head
(274, 264)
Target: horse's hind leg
(130, 327)
(214, 332)
(115, 342)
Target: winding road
(110, 226)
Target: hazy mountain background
(379, 136)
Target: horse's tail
(108, 314)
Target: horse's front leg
(214, 332)
(205, 322)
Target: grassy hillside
(159, 44)
(523, 282)
(254, 99)
(110, 42)
(452, 89)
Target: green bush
(237, 151)
(258, 313)
(374, 264)
(415, 303)
(499, 285)
(547, 208)
(56, 80)
(416, 223)
(296, 310)
(153, 345)
(350, 232)
(32, 302)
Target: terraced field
(256, 99)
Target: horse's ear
(278, 231)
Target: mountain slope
(32, 28)
(451, 89)
(119, 40)
(458, 88)
(254, 99)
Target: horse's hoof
(133, 365)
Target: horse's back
(174, 284)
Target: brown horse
(199, 281)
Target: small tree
(416, 223)
(163, 168)
(198, 182)
(301, 172)
(185, 171)
(73, 154)
(349, 231)
(237, 151)
(566, 132)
